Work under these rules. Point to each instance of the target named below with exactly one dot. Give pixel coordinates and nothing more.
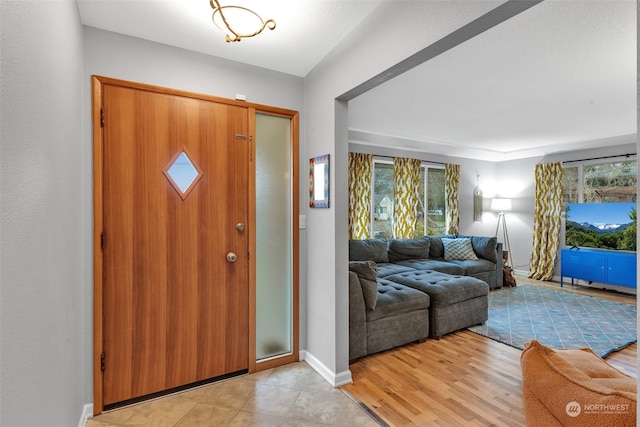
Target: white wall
(391, 33)
(42, 187)
(516, 180)
(127, 58)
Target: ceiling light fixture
(238, 22)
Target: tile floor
(290, 395)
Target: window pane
(183, 172)
(431, 191)
(383, 201)
(421, 205)
(570, 185)
(610, 182)
(436, 201)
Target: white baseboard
(521, 272)
(87, 412)
(335, 379)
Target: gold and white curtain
(452, 182)
(546, 220)
(406, 195)
(360, 173)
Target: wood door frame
(294, 356)
(98, 223)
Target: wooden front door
(175, 247)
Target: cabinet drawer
(583, 265)
(621, 269)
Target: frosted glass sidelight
(273, 237)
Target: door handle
(232, 257)
(240, 227)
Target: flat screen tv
(601, 225)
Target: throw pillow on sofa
(459, 249)
(401, 249)
(484, 247)
(368, 250)
(367, 272)
(436, 249)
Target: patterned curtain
(452, 182)
(546, 220)
(360, 167)
(406, 194)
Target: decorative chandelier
(238, 22)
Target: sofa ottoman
(401, 316)
(457, 302)
(383, 315)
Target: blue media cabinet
(599, 265)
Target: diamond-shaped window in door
(183, 173)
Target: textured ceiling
(306, 30)
(558, 77)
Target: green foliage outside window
(570, 187)
(436, 202)
(433, 205)
(383, 201)
(610, 182)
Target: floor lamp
(502, 205)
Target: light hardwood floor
(463, 379)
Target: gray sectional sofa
(405, 290)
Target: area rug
(558, 319)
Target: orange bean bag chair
(575, 388)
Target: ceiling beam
(487, 21)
